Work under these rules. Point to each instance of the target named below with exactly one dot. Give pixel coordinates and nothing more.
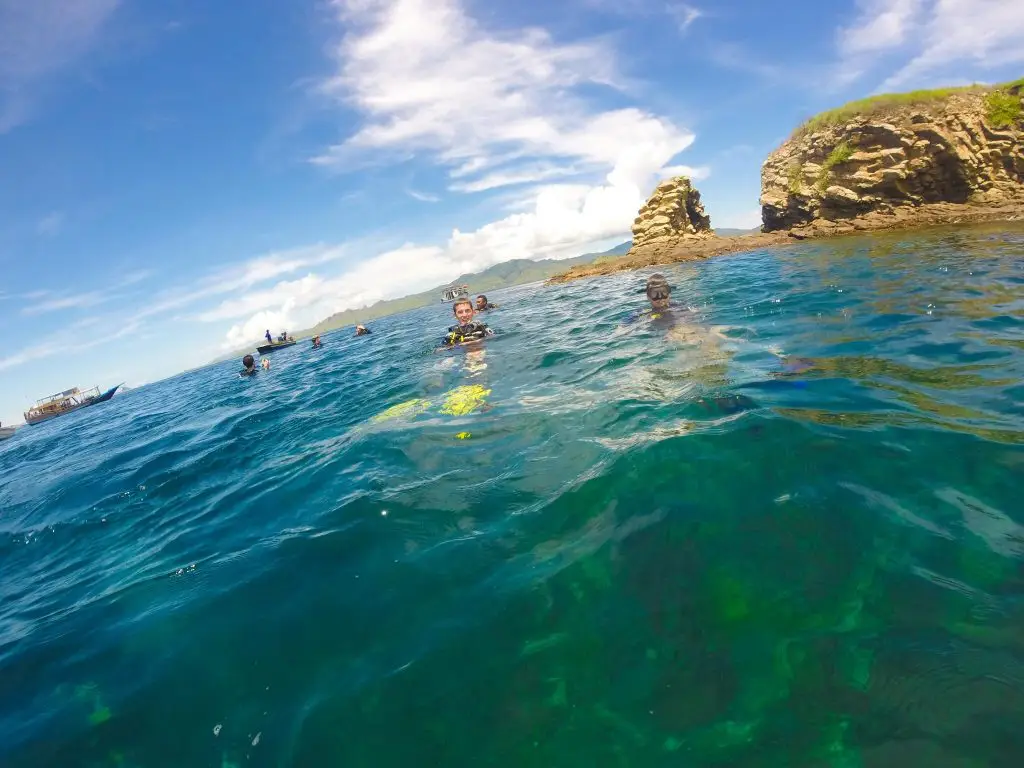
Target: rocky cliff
(888, 161)
(673, 213)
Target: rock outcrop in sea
(673, 213)
(888, 164)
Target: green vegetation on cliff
(1002, 106)
(1003, 94)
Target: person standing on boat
(270, 339)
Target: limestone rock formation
(672, 213)
(844, 176)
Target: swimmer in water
(248, 366)
(265, 363)
(467, 331)
(482, 304)
(362, 330)
(659, 293)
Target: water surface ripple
(798, 542)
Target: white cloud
(473, 98)
(237, 278)
(881, 25)
(40, 39)
(964, 39)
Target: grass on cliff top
(886, 102)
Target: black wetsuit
(468, 332)
(248, 371)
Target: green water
(798, 542)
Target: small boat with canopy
(66, 402)
(454, 293)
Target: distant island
(894, 161)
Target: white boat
(66, 402)
(6, 432)
(454, 292)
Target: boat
(65, 402)
(6, 432)
(283, 340)
(264, 348)
(454, 292)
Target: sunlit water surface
(797, 545)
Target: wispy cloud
(47, 301)
(921, 40)
(39, 39)
(423, 197)
(684, 15)
(77, 337)
(51, 223)
(242, 277)
(530, 174)
(70, 301)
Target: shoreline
(904, 218)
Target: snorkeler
(248, 366)
(466, 331)
(482, 304)
(659, 293)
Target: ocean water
(787, 531)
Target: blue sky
(179, 176)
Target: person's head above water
(658, 291)
(481, 302)
(248, 361)
(463, 309)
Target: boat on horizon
(264, 348)
(453, 292)
(6, 432)
(66, 402)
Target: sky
(178, 177)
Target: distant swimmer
(265, 364)
(482, 304)
(467, 331)
(248, 366)
(362, 330)
(316, 342)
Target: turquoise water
(798, 542)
